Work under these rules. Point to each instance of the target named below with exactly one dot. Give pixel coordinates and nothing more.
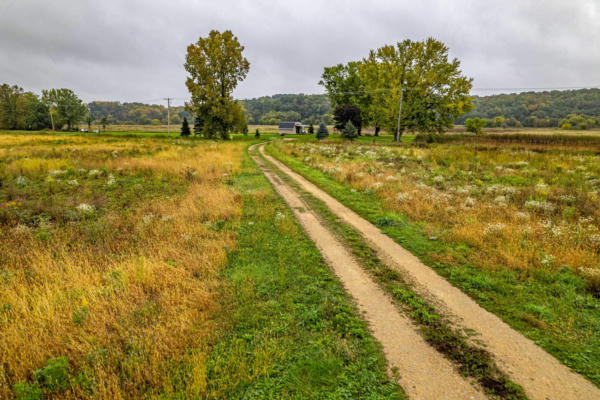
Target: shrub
(257, 134)
(349, 131)
(565, 126)
(185, 128)
(55, 375)
(322, 132)
(475, 125)
(311, 129)
(26, 391)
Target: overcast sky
(134, 50)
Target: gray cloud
(134, 50)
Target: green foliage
(257, 134)
(271, 110)
(475, 125)
(349, 132)
(322, 132)
(344, 85)
(54, 376)
(580, 122)
(311, 129)
(375, 85)
(239, 118)
(65, 107)
(537, 109)
(215, 65)
(136, 113)
(28, 391)
(22, 110)
(104, 123)
(185, 128)
(347, 113)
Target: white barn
(291, 128)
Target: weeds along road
(541, 375)
(424, 373)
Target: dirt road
(541, 375)
(424, 373)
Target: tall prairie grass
(513, 208)
(110, 252)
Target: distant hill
(541, 109)
(307, 108)
(135, 113)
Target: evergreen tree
(349, 131)
(311, 129)
(198, 125)
(245, 130)
(257, 134)
(322, 132)
(185, 128)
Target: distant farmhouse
(291, 128)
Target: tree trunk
(377, 129)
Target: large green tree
(12, 107)
(215, 65)
(64, 106)
(434, 90)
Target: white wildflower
(493, 229)
(544, 206)
(391, 178)
(438, 179)
(522, 216)
(111, 180)
(546, 259)
(86, 208)
(147, 218)
(21, 180)
(469, 202)
(402, 197)
(567, 198)
(500, 200)
(73, 182)
(57, 172)
(94, 172)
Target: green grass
(289, 329)
(555, 309)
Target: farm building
(291, 128)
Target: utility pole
(168, 99)
(397, 138)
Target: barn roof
(287, 125)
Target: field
(141, 267)
(514, 226)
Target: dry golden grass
(464, 195)
(128, 301)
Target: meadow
(514, 226)
(152, 267)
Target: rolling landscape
(386, 227)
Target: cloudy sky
(134, 50)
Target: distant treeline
(539, 109)
(271, 110)
(569, 109)
(135, 113)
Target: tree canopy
(435, 91)
(215, 65)
(65, 107)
